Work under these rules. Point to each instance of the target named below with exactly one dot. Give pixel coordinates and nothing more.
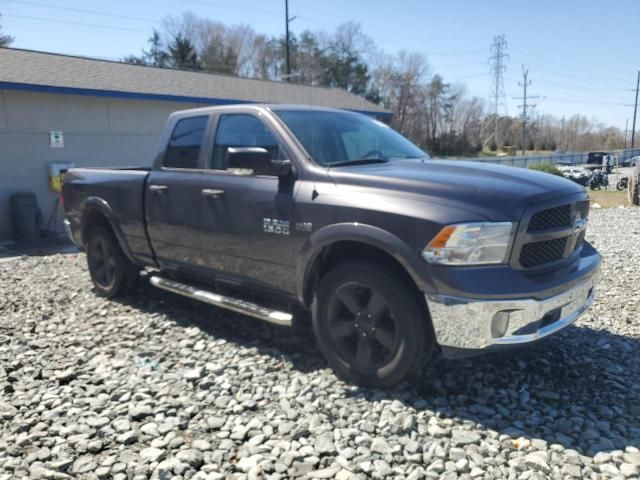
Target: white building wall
(97, 132)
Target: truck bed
(116, 192)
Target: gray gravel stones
(157, 386)
(465, 437)
(151, 454)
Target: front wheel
(594, 186)
(111, 271)
(370, 325)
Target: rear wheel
(370, 325)
(112, 273)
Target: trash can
(26, 216)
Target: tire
(594, 186)
(370, 325)
(112, 273)
(620, 186)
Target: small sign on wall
(56, 139)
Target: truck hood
(493, 191)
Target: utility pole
(635, 111)
(524, 84)
(288, 20)
(626, 130)
(498, 67)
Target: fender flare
(92, 204)
(356, 232)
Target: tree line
(439, 116)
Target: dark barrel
(26, 216)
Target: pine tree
(183, 55)
(156, 55)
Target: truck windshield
(335, 138)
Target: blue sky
(582, 55)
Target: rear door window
(183, 150)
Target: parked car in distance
(631, 162)
(291, 213)
(564, 163)
(578, 175)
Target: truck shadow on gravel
(579, 388)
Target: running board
(229, 303)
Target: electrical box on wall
(56, 139)
(56, 171)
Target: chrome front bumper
(474, 325)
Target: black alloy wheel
(102, 262)
(370, 324)
(112, 273)
(361, 326)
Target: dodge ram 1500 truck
(285, 212)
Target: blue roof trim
(89, 92)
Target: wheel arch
(97, 212)
(339, 242)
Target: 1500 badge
(273, 225)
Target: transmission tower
(497, 60)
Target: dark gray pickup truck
(281, 211)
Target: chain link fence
(573, 158)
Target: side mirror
(257, 160)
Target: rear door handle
(212, 193)
(158, 188)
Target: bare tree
(398, 80)
(5, 40)
(433, 113)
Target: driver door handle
(158, 188)
(212, 193)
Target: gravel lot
(163, 387)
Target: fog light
(500, 323)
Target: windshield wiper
(359, 161)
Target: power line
(233, 7)
(524, 84)
(585, 102)
(560, 72)
(573, 87)
(70, 22)
(498, 66)
(564, 66)
(80, 10)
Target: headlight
(470, 244)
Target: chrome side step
(229, 303)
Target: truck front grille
(557, 222)
(539, 253)
(550, 218)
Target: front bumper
(467, 326)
